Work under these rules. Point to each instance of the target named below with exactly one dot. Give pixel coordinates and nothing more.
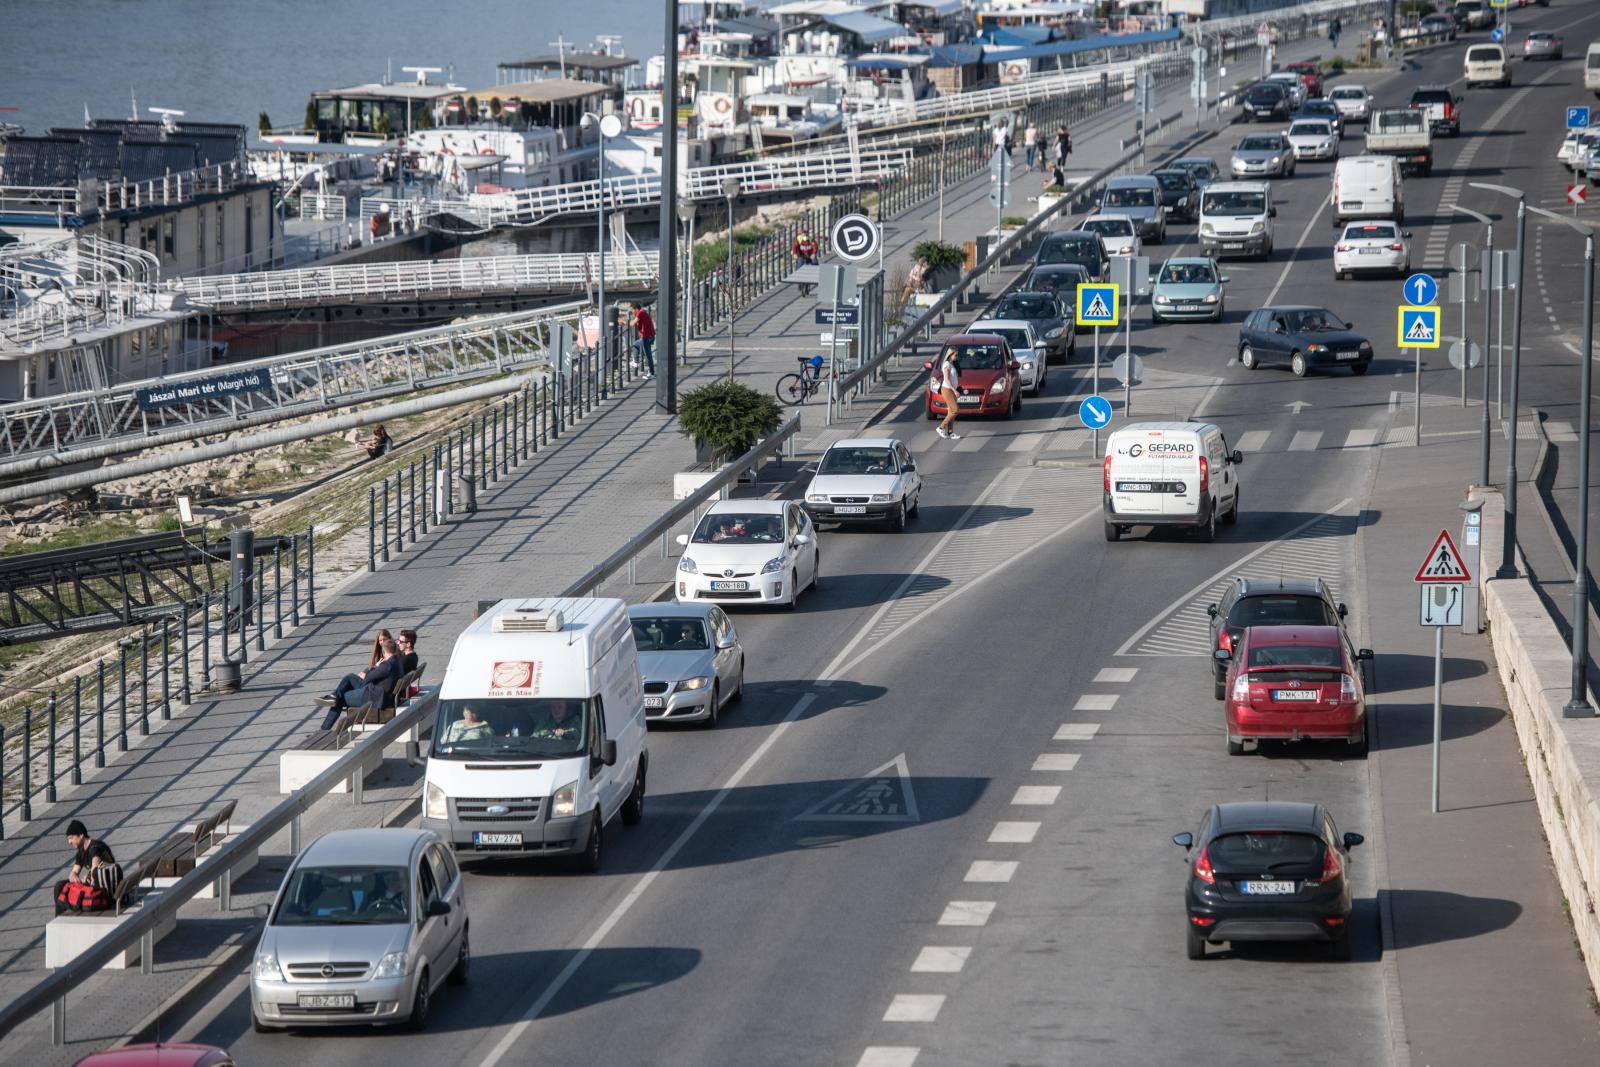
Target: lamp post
(686, 213)
(730, 189)
(667, 381)
(609, 126)
(1487, 274)
(1508, 551)
(1577, 705)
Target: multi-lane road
(937, 830)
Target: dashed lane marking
(914, 1008)
(1055, 761)
(967, 913)
(941, 959)
(1253, 440)
(1116, 674)
(1096, 702)
(991, 871)
(1013, 833)
(889, 1056)
(1036, 795)
(1076, 731)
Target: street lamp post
(609, 126)
(730, 189)
(1488, 263)
(1508, 550)
(667, 380)
(686, 213)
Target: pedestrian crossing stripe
(1098, 304)
(1418, 327)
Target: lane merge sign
(1578, 118)
(1419, 327)
(1095, 411)
(1099, 304)
(1443, 562)
(1420, 289)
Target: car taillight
(1225, 639)
(1347, 687)
(1241, 687)
(1398, 247)
(1331, 868)
(1205, 475)
(1341, 248)
(1202, 866)
(1108, 473)
(1449, 111)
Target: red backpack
(78, 897)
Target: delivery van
(539, 742)
(1486, 64)
(1170, 474)
(1591, 69)
(1368, 187)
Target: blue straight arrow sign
(1421, 289)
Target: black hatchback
(1082, 247)
(1266, 102)
(1248, 602)
(1274, 871)
(1062, 279)
(1302, 337)
(1180, 193)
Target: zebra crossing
(1053, 438)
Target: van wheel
(1297, 363)
(1208, 531)
(458, 973)
(1232, 517)
(633, 807)
(1247, 357)
(594, 849)
(421, 1002)
(1113, 532)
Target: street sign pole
(1416, 400)
(1095, 389)
(1442, 580)
(1438, 707)
(1483, 291)
(833, 342)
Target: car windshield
(1176, 181)
(1319, 107)
(1198, 167)
(854, 460)
(1056, 280)
(1264, 851)
(1347, 93)
(1110, 227)
(1259, 144)
(1234, 202)
(668, 634)
(345, 896)
(979, 357)
(1028, 307)
(1369, 231)
(737, 528)
(1267, 92)
(1071, 250)
(1310, 129)
(1130, 198)
(1425, 96)
(1279, 609)
(1293, 656)
(1315, 320)
(521, 727)
(1188, 274)
(1018, 339)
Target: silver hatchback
(365, 927)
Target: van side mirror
(1272, 212)
(1183, 840)
(608, 753)
(1352, 840)
(436, 908)
(1236, 457)
(1363, 653)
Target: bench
(807, 278)
(368, 719)
(318, 750)
(197, 841)
(66, 937)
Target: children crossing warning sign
(1098, 304)
(1443, 562)
(1419, 326)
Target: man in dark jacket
(374, 686)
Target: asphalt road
(1006, 718)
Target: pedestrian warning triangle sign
(1443, 562)
(883, 794)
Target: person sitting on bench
(380, 444)
(373, 686)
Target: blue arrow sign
(1095, 411)
(1577, 118)
(1497, 34)
(1420, 289)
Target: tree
(424, 117)
(472, 110)
(263, 124)
(496, 108)
(727, 417)
(381, 125)
(311, 116)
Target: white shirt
(999, 136)
(1030, 135)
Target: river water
(228, 60)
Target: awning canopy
(939, 7)
(956, 55)
(880, 62)
(1088, 44)
(870, 28)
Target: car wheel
(459, 973)
(633, 807)
(1194, 943)
(1297, 363)
(897, 519)
(713, 710)
(1235, 748)
(1247, 357)
(1072, 348)
(1358, 369)
(933, 416)
(1013, 407)
(794, 592)
(916, 507)
(1219, 685)
(257, 1025)
(1222, 312)
(1155, 320)
(1339, 275)
(1339, 947)
(738, 694)
(1358, 750)
(1113, 532)
(816, 569)
(594, 849)
(421, 1002)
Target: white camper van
(1170, 474)
(540, 737)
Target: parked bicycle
(797, 388)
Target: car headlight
(1207, 230)
(1022, 364)
(393, 965)
(1258, 228)
(816, 498)
(1126, 250)
(266, 967)
(564, 801)
(1366, 346)
(686, 565)
(434, 805)
(690, 684)
(999, 385)
(1316, 348)
(1163, 299)
(884, 498)
(774, 564)
(1211, 298)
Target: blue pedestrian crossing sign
(1420, 289)
(1578, 118)
(1419, 326)
(1095, 411)
(1098, 304)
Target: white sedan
(1314, 139)
(749, 552)
(867, 479)
(1119, 233)
(1371, 247)
(1354, 100)
(1026, 349)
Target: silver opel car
(365, 927)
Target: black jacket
(378, 689)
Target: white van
(1170, 474)
(1236, 218)
(1591, 69)
(1368, 187)
(1486, 64)
(540, 737)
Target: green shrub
(1014, 220)
(728, 417)
(263, 124)
(1338, 63)
(1056, 190)
(940, 255)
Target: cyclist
(805, 251)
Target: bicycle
(797, 388)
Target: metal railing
(56, 201)
(138, 926)
(66, 286)
(62, 729)
(323, 206)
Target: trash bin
(469, 494)
(224, 677)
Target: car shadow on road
(1366, 943)
(766, 703)
(941, 518)
(1253, 527)
(1396, 671)
(1433, 916)
(1411, 725)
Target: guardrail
(140, 926)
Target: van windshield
(1234, 202)
(511, 728)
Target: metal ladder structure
(52, 290)
(131, 416)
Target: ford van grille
(519, 809)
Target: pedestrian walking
(1335, 27)
(998, 138)
(946, 377)
(1063, 146)
(1030, 143)
(644, 327)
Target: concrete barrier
(1562, 755)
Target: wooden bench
(203, 838)
(66, 937)
(369, 718)
(318, 749)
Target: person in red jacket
(645, 329)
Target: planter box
(66, 937)
(297, 766)
(685, 483)
(1050, 200)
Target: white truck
(1406, 134)
(1591, 69)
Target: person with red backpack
(94, 875)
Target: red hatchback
(989, 383)
(1311, 75)
(1295, 683)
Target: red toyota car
(989, 383)
(1295, 683)
(158, 1055)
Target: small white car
(749, 552)
(1119, 233)
(690, 661)
(1575, 146)
(865, 479)
(1026, 348)
(1354, 100)
(1313, 139)
(1296, 85)
(1371, 247)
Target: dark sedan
(1273, 871)
(1083, 247)
(1266, 102)
(1302, 337)
(1049, 315)
(1180, 193)
(1061, 279)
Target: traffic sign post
(1463, 290)
(1442, 578)
(1418, 329)
(1132, 276)
(1097, 305)
(1471, 554)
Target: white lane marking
(1283, 275)
(1305, 441)
(969, 443)
(991, 871)
(1252, 440)
(1365, 438)
(923, 441)
(513, 1034)
(1055, 761)
(889, 1056)
(1024, 442)
(914, 1008)
(1561, 431)
(1036, 795)
(1116, 674)
(1013, 833)
(941, 959)
(1077, 731)
(967, 913)
(1096, 702)
(1224, 572)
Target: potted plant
(726, 419)
(1053, 195)
(944, 263)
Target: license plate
(849, 509)
(1233, 244)
(1369, 251)
(327, 1000)
(1347, 355)
(1188, 307)
(1285, 695)
(729, 587)
(968, 399)
(1135, 487)
(1267, 889)
(496, 839)
(655, 702)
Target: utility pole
(667, 379)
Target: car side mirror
(801, 539)
(1211, 610)
(1183, 840)
(1343, 611)
(608, 753)
(682, 539)
(1363, 653)
(437, 908)
(927, 364)
(1014, 365)
(1222, 655)
(1352, 840)
(727, 642)
(1224, 279)
(1407, 233)
(261, 911)
(1236, 457)
(911, 466)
